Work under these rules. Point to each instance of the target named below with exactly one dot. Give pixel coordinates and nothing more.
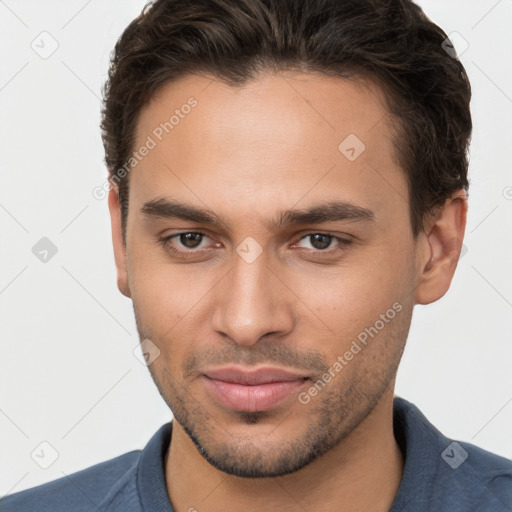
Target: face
(271, 263)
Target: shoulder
(493, 471)
(445, 474)
(471, 478)
(83, 491)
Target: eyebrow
(332, 211)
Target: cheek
(348, 298)
(170, 299)
(158, 292)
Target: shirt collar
(151, 483)
(428, 482)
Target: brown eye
(191, 240)
(187, 242)
(324, 244)
(320, 241)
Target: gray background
(69, 373)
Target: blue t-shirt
(440, 475)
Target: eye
(322, 241)
(189, 241)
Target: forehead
(278, 139)
(277, 109)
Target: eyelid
(167, 238)
(341, 241)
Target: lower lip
(252, 398)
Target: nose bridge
(250, 303)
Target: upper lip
(252, 377)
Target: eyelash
(192, 252)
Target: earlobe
(443, 235)
(118, 242)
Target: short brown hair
(391, 42)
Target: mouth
(252, 390)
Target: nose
(251, 303)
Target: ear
(118, 242)
(440, 248)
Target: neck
(363, 472)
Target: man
(289, 179)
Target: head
(289, 180)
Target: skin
(246, 154)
